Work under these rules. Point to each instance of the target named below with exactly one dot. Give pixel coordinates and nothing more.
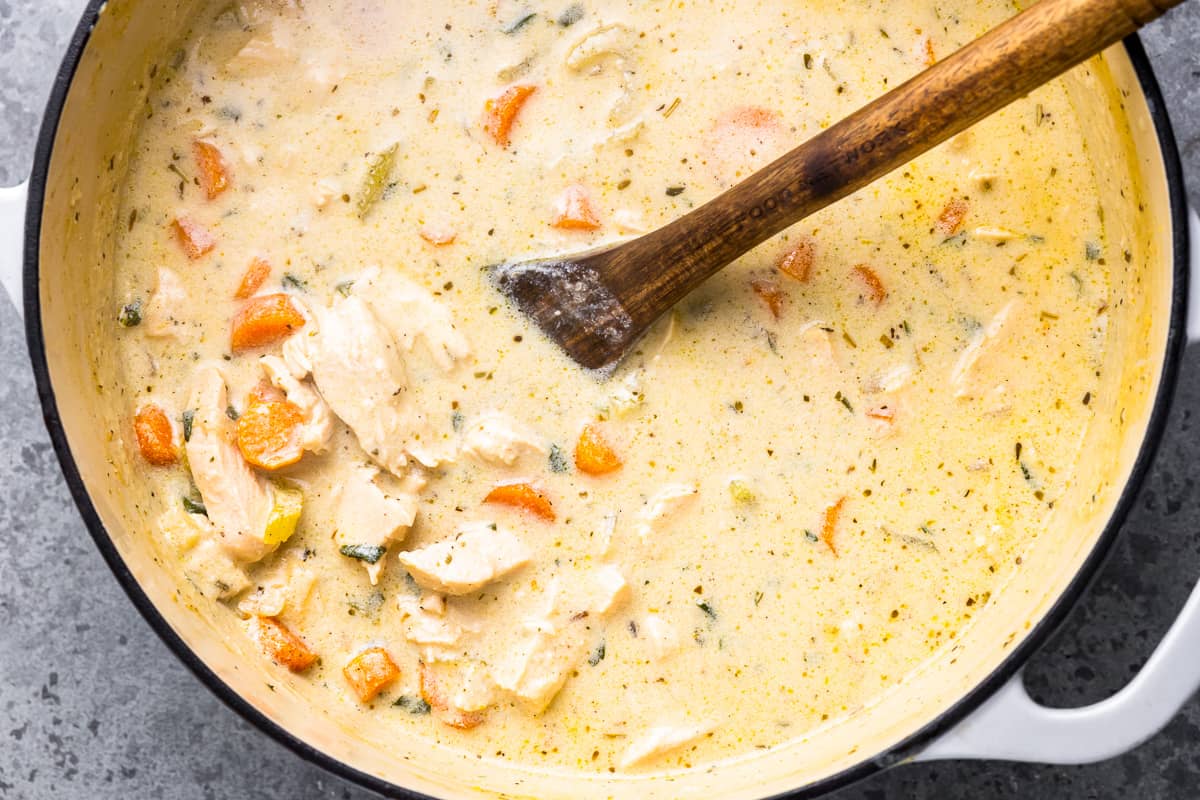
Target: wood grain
(596, 305)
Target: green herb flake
(291, 281)
(232, 413)
(669, 110)
(841, 398)
(1078, 281)
(674, 191)
(758, 597)
(597, 655)
(378, 173)
(456, 420)
(812, 537)
(412, 704)
(570, 15)
(369, 553)
(131, 314)
(1091, 251)
(558, 459)
(886, 341)
(344, 288)
(194, 506)
(519, 22)
(707, 608)
(189, 417)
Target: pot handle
(12, 241)
(1012, 726)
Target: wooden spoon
(597, 304)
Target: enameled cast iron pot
(972, 707)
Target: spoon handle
(1008, 62)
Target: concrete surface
(92, 705)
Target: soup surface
(797, 491)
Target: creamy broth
(831, 456)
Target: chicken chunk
(358, 370)
(318, 419)
(165, 310)
(495, 438)
(239, 501)
(966, 378)
(663, 504)
(205, 562)
(478, 554)
(375, 510)
(660, 740)
(284, 588)
(661, 639)
(556, 641)
(440, 635)
(411, 313)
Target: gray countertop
(93, 705)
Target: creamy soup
(801, 486)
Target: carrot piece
(952, 216)
(574, 212)
(213, 175)
(593, 455)
(829, 525)
(197, 241)
(155, 435)
(268, 432)
(930, 58)
(280, 644)
(500, 112)
(369, 672)
(256, 274)
(438, 235)
(874, 286)
(523, 496)
(264, 320)
(431, 693)
(769, 292)
(798, 262)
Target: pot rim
(901, 751)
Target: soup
(800, 488)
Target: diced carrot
(574, 211)
(874, 286)
(281, 645)
(523, 496)
(883, 411)
(264, 320)
(769, 292)
(927, 53)
(197, 241)
(256, 274)
(369, 672)
(431, 693)
(268, 432)
(798, 262)
(829, 525)
(500, 112)
(593, 455)
(438, 235)
(213, 174)
(952, 216)
(155, 435)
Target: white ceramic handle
(1011, 726)
(12, 241)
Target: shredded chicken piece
(661, 638)
(411, 313)
(479, 553)
(238, 500)
(660, 740)
(376, 510)
(205, 562)
(163, 315)
(964, 378)
(496, 438)
(663, 504)
(285, 588)
(359, 372)
(443, 635)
